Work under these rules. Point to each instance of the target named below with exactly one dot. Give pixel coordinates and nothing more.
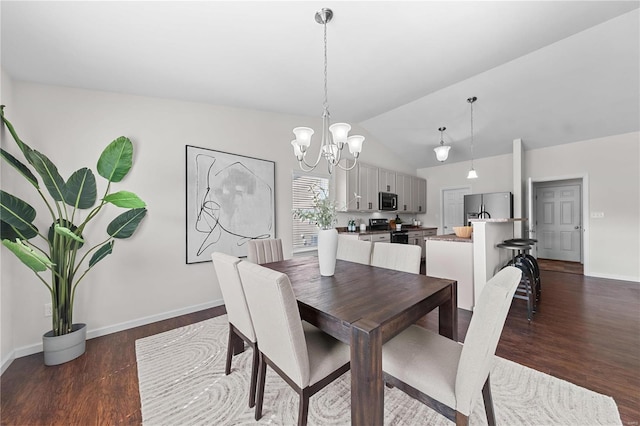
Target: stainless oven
(387, 201)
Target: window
(305, 234)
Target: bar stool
(532, 259)
(526, 289)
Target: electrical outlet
(48, 310)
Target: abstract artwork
(230, 200)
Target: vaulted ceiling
(549, 72)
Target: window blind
(305, 234)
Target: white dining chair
(240, 322)
(444, 374)
(304, 356)
(401, 257)
(265, 250)
(354, 250)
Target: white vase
(327, 249)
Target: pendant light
(334, 136)
(442, 151)
(472, 173)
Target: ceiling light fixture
(442, 151)
(334, 136)
(472, 173)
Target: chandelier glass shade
(334, 136)
(442, 151)
(472, 172)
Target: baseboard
(613, 277)
(35, 348)
(6, 362)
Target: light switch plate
(597, 215)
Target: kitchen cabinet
(381, 238)
(416, 238)
(419, 194)
(386, 181)
(361, 180)
(403, 188)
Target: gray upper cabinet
(386, 181)
(366, 181)
(403, 185)
(361, 180)
(419, 194)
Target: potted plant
(62, 250)
(323, 215)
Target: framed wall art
(230, 200)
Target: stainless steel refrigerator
(493, 205)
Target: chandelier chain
(471, 134)
(326, 97)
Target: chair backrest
(401, 257)
(277, 321)
(265, 251)
(483, 334)
(354, 250)
(235, 302)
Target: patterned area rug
(182, 382)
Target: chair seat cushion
(425, 361)
(326, 354)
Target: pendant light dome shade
(442, 151)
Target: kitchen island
(452, 257)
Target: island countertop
(515, 219)
(449, 237)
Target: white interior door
(559, 222)
(453, 208)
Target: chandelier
(472, 172)
(334, 136)
(442, 151)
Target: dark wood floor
(560, 266)
(587, 331)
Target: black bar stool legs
(528, 289)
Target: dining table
(365, 306)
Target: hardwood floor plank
(587, 331)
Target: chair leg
(488, 403)
(461, 419)
(304, 408)
(262, 372)
(254, 376)
(227, 367)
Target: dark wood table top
(359, 292)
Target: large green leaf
(20, 167)
(49, 173)
(16, 212)
(66, 225)
(125, 224)
(68, 233)
(8, 232)
(33, 259)
(80, 189)
(116, 160)
(23, 146)
(102, 252)
(125, 199)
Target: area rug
(182, 382)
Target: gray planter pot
(61, 349)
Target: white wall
(146, 277)
(6, 335)
(611, 165)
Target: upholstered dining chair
(401, 257)
(304, 356)
(265, 251)
(240, 323)
(446, 375)
(354, 250)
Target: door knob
(576, 227)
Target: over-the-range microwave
(387, 201)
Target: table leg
(448, 315)
(367, 384)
